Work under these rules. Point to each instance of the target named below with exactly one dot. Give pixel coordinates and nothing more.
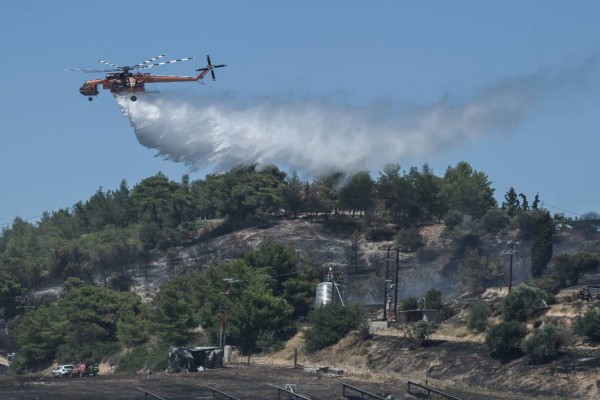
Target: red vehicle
(84, 369)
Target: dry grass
(457, 333)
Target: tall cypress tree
(541, 250)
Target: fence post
(295, 357)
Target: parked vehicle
(63, 370)
(93, 369)
(84, 369)
(79, 370)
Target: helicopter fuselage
(124, 81)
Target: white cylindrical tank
(324, 294)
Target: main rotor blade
(90, 70)
(166, 62)
(109, 64)
(213, 75)
(143, 63)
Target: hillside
(453, 358)
(318, 242)
(457, 360)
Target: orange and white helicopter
(122, 81)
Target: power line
(559, 209)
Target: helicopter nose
(88, 90)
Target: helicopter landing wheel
(90, 98)
(133, 98)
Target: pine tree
(511, 201)
(536, 202)
(524, 203)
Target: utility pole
(385, 290)
(224, 306)
(510, 251)
(396, 285)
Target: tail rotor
(210, 67)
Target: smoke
(316, 136)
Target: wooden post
(295, 357)
(512, 250)
(385, 290)
(396, 286)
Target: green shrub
(504, 339)
(133, 361)
(550, 284)
(120, 281)
(477, 272)
(144, 358)
(420, 331)
(464, 241)
(524, 302)
(267, 341)
(331, 323)
(478, 317)
(381, 233)
(409, 239)
(494, 220)
(589, 325)
(544, 343)
(19, 364)
(409, 303)
(453, 218)
(432, 300)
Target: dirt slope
(457, 359)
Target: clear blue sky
(57, 148)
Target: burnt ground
(255, 382)
(467, 367)
(243, 382)
(378, 365)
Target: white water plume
(318, 136)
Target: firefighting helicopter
(122, 81)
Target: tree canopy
(116, 229)
(571, 267)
